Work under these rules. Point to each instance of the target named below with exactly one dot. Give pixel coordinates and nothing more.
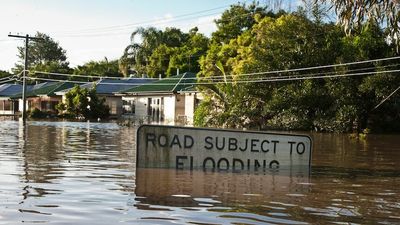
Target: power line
(384, 100)
(111, 28)
(323, 67)
(5, 78)
(84, 82)
(57, 80)
(118, 32)
(235, 82)
(105, 31)
(247, 74)
(212, 78)
(80, 75)
(6, 81)
(231, 77)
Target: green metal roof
(182, 82)
(47, 89)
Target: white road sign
(201, 148)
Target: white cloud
(205, 24)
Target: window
(128, 106)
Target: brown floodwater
(85, 173)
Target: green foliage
(37, 114)
(159, 60)
(293, 41)
(186, 58)
(4, 74)
(44, 55)
(163, 52)
(236, 20)
(83, 103)
(352, 14)
(102, 68)
(152, 54)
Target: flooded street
(85, 173)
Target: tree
(186, 58)
(102, 68)
(294, 41)
(354, 13)
(137, 56)
(83, 103)
(236, 20)
(4, 74)
(159, 60)
(44, 55)
(154, 54)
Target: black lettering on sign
(254, 145)
(209, 144)
(274, 164)
(206, 160)
(179, 164)
(175, 141)
(223, 143)
(163, 143)
(291, 146)
(235, 161)
(245, 146)
(150, 137)
(220, 167)
(188, 141)
(232, 144)
(300, 148)
(264, 148)
(275, 142)
(256, 164)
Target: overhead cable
(385, 99)
(243, 74)
(129, 25)
(262, 80)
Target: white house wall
(173, 108)
(20, 104)
(141, 107)
(189, 107)
(169, 109)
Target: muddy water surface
(85, 173)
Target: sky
(95, 29)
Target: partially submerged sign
(200, 148)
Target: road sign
(203, 148)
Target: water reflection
(197, 188)
(375, 152)
(85, 173)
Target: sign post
(230, 150)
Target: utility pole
(27, 38)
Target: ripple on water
(85, 173)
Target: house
(170, 100)
(8, 105)
(105, 88)
(43, 96)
